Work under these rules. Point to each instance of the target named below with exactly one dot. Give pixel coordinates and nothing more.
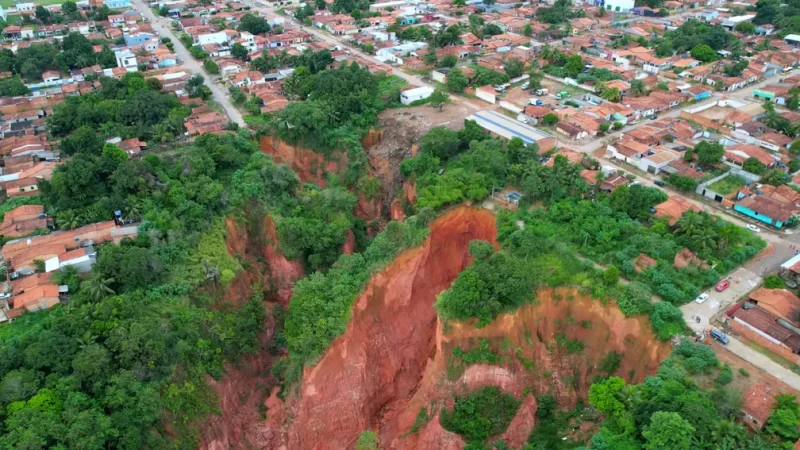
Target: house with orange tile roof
(23, 221)
(738, 154)
(757, 404)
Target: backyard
(728, 185)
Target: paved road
(161, 25)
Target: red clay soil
(309, 165)
(529, 335)
(268, 267)
(375, 367)
(368, 209)
(393, 358)
(245, 387)
(396, 211)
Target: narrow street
(161, 26)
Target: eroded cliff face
(309, 165)
(371, 371)
(245, 387)
(551, 346)
(395, 358)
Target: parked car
(659, 183)
(499, 88)
(522, 118)
(722, 285)
(701, 298)
(720, 336)
(525, 85)
(753, 228)
(541, 92)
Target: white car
(753, 228)
(701, 298)
(525, 85)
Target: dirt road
(161, 25)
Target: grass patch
(773, 356)
(727, 185)
(10, 3)
(572, 346)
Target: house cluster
(32, 261)
(657, 147)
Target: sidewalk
(763, 362)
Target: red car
(722, 285)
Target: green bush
(492, 284)
(480, 354)
(480, 414)
(725, 376)
(697, 358)
(774, 282)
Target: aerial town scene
(407, 224)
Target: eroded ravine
(393, 358)
(376, 366)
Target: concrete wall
(751, 335)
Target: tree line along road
(189, 62)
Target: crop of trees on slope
(672, 410)
(126, 360)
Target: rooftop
(506, 127)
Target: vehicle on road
(722, 285)
(701, 298)
(659, 183)
(541, 92)
(522, 118)
(753, 228)
(720, 336)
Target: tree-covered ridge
(493, 283)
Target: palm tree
(786, 401)
(68, 219)
(99, 288)
(133, 209)
(689, 224)
(162, 133)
